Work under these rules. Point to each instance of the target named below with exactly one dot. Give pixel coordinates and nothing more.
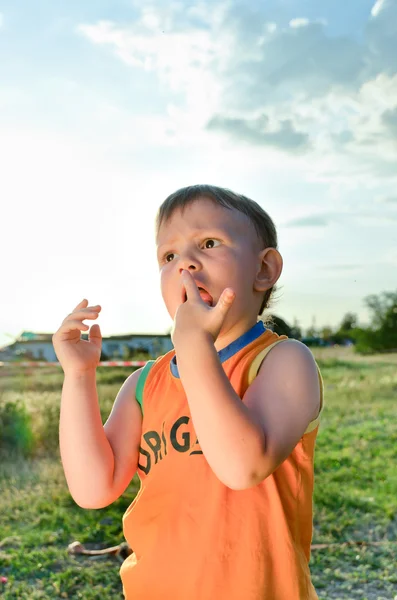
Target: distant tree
(381, 335)
(326, 333)
(296, 331)
(311, 332)
(280, 327)
(346, 330)
(349, 322)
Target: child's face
(219, 247)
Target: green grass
(354, 500)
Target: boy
(223, 440)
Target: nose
(189, 262)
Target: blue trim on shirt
(245, 339)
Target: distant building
(38, 346)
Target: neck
(229, 334)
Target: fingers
(191, 288)
(83, 306)
(70, 325)
(226, 300)
(84, 303)
(80, 304)
(228, 295)
(88, 313)
(75, 319)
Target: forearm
(86, 454)
(230, 439)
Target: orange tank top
(193, 538)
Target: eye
(210, 240)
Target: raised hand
(195, 316)
(75, 354)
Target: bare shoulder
(289, 369)
(126, 402)
(132, 380)
(294, 359)
(289, 355)
(296, 347)
(285, 351)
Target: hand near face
(195, 316)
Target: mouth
(206, 296)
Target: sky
(108, 107)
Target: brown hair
(262, 222)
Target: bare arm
(97, 473)
(245, 441)
(230, 439)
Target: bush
(47, 434)
(369, 341)
(16, 434)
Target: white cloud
(283, 136)
(331, 97)
(299, 22)
(328, 103)
(269, 28)
(377, 7)
(181, 59)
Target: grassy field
(355, 496)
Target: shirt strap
(141, 382)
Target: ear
(270, 265)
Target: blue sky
(108, 107)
